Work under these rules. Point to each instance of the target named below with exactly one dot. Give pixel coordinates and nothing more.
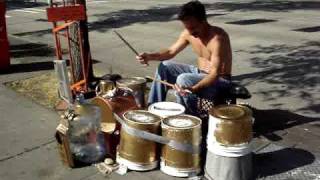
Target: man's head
(194, 18)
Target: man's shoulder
(219, 35)
(219, 32)
(185, 34)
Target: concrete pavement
(276, 55)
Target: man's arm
(165, 54)
(218, 53)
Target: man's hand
(183, 91)
(144, 58)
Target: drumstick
(166, 83)
(126, 42)
(160, 81)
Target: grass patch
(41, 89)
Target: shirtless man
(210, 43)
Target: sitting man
(212, 46)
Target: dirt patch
(42, 89)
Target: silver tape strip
(185, 147)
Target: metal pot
(137, 85)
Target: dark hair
(192, 9)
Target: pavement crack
(27, 150)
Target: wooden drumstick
(126, 42)
(166, 83)
(160, 81)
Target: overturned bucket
(229, 143)
(183, 129)
(136, 153)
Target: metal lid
(230, 112)
(131, 81)
(141, 117)
(181, 122)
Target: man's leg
(167, 71)
(216, 89)
(190, 100)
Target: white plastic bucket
(166, 109)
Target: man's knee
(162, 67)
(165, 65)
(184, 80)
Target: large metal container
(228, 168)
(184, 129)
(137, 85)
(103, 87)
(230, 125)
(229, 143)
(136, 153)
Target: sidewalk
(279, 65)
(28, 149)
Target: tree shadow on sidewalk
(281, 161)
(269, 121)
(286, 71)
(266, 5)
(18, 4)
(29, 67)
(31, 49)
(126, 17)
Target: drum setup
(143, 138)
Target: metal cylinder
(230, 125)
(184, 129)
(229, 143)
(137, 85)
(137, 153)
(104, 86)
(228, 168)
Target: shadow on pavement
(251, 21)
(266, 5)
(269, 121)
(309, 29)
(281, 161)
(18, 4)
(30, 49)
(127, 17)
(288, 71)
(30, 67)
(35, 33)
